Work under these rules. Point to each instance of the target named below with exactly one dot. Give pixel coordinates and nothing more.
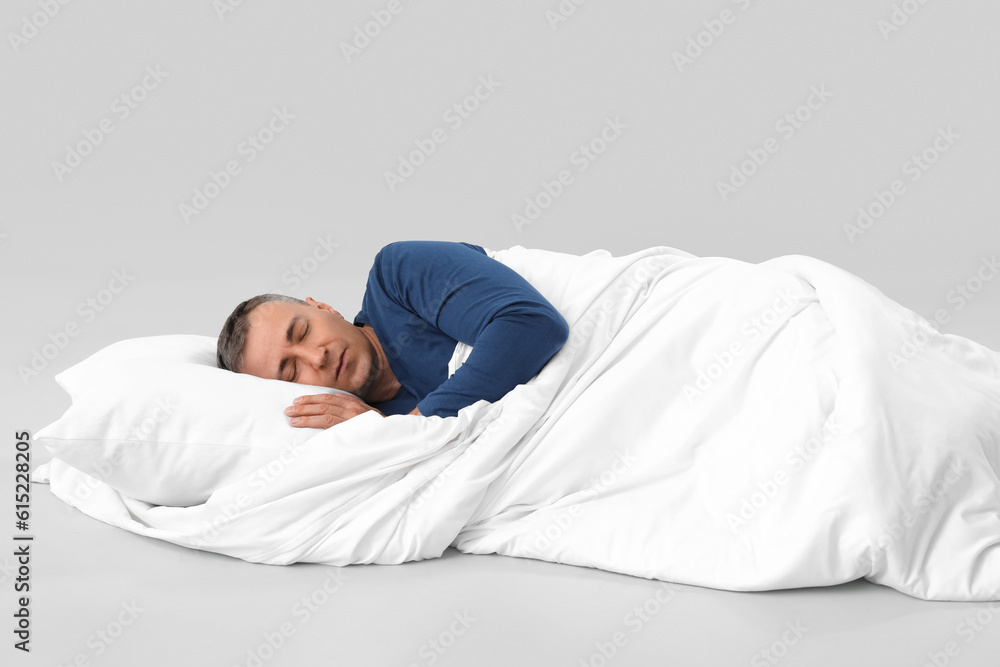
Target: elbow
(563, 330)
(558, 331)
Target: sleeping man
(421, 299)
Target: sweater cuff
(432, 405)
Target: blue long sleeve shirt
(423, 297)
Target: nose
(315, 356)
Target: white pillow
(157, 420)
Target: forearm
(510, 352)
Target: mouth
(343, 362)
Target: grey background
(324, 177)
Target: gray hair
(233, 338)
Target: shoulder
(425, 247)
(419, 253)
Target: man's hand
(326, 410)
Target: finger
(327, 399)
(314, 398)
(316, 421)
(306, 409)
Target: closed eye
(305, 332)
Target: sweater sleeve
(475, 299)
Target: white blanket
(709, 422)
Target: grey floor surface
(105, 596)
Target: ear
(322, 306)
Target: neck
(386, 385)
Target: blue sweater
(422, 297)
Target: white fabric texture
(709, 422)
(156, 419)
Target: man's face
(311, 344)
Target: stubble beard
(373, 369)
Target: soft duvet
(710, 422)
